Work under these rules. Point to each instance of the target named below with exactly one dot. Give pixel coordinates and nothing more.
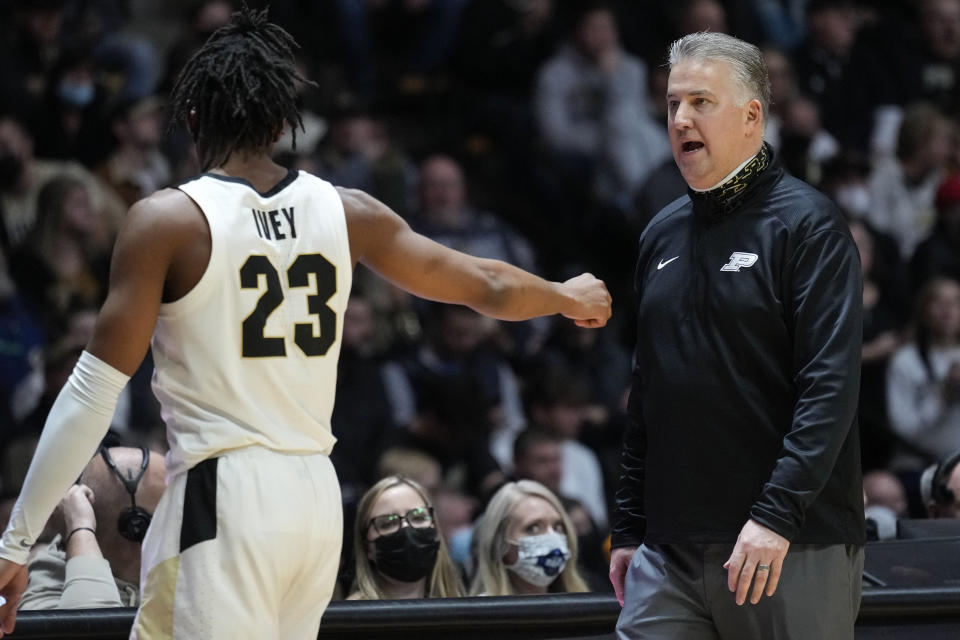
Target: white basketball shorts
(245, 545)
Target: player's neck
(258, 169)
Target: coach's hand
(13, 582)
(758, 558)
(619, 563)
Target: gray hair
(746, 62)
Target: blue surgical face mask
(540, 559)
(74, 94)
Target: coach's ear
(753, 117)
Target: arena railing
(926, 613)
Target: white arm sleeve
(77, 422)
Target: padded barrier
(884, 613)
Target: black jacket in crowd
(746, 371)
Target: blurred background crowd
(531, 131)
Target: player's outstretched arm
(383, 241)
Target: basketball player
(241, 276)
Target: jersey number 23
(255, 343)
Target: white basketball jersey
(249, 356)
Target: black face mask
(406, 555)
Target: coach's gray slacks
(679, 592)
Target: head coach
(739, 511)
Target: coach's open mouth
(692, 146)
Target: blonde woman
(526, 544)
(399, 550)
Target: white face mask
(540, 559)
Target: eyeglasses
(418, 517)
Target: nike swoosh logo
(663, 264)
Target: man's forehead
(693, 76)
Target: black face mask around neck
(406, 555)
(724, 199)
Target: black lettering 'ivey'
(270, 226)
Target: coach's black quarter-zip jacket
(746, 370)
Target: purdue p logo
(739, 259)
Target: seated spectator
(556, 402)
(939, 254)
(804, 144)
(926, 68)
(845, 180)
(538, 455)
(596, 360)
(501, 45)
(445, 215)
(361, 414)
(452, 425)
(95, 561)
(453, 509)
(68, 125)
(65, 258)
(881, 339)
(885, 501)
(412, 465)
(903, 188)
(359, 153)
(22, 176)
(783, 90)
(33, 37)
(940, 487)
(128, 62)
(823, 60)
(456, 354)
(923, 380)
(399, 550)
(525, 544)
(135, 167)
(374, 52)
(590, 106)
(21, 359)
(59, 358)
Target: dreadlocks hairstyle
(237, 91)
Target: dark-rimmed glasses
(418, 517)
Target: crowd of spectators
(531, 131)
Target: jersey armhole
(199, 291)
